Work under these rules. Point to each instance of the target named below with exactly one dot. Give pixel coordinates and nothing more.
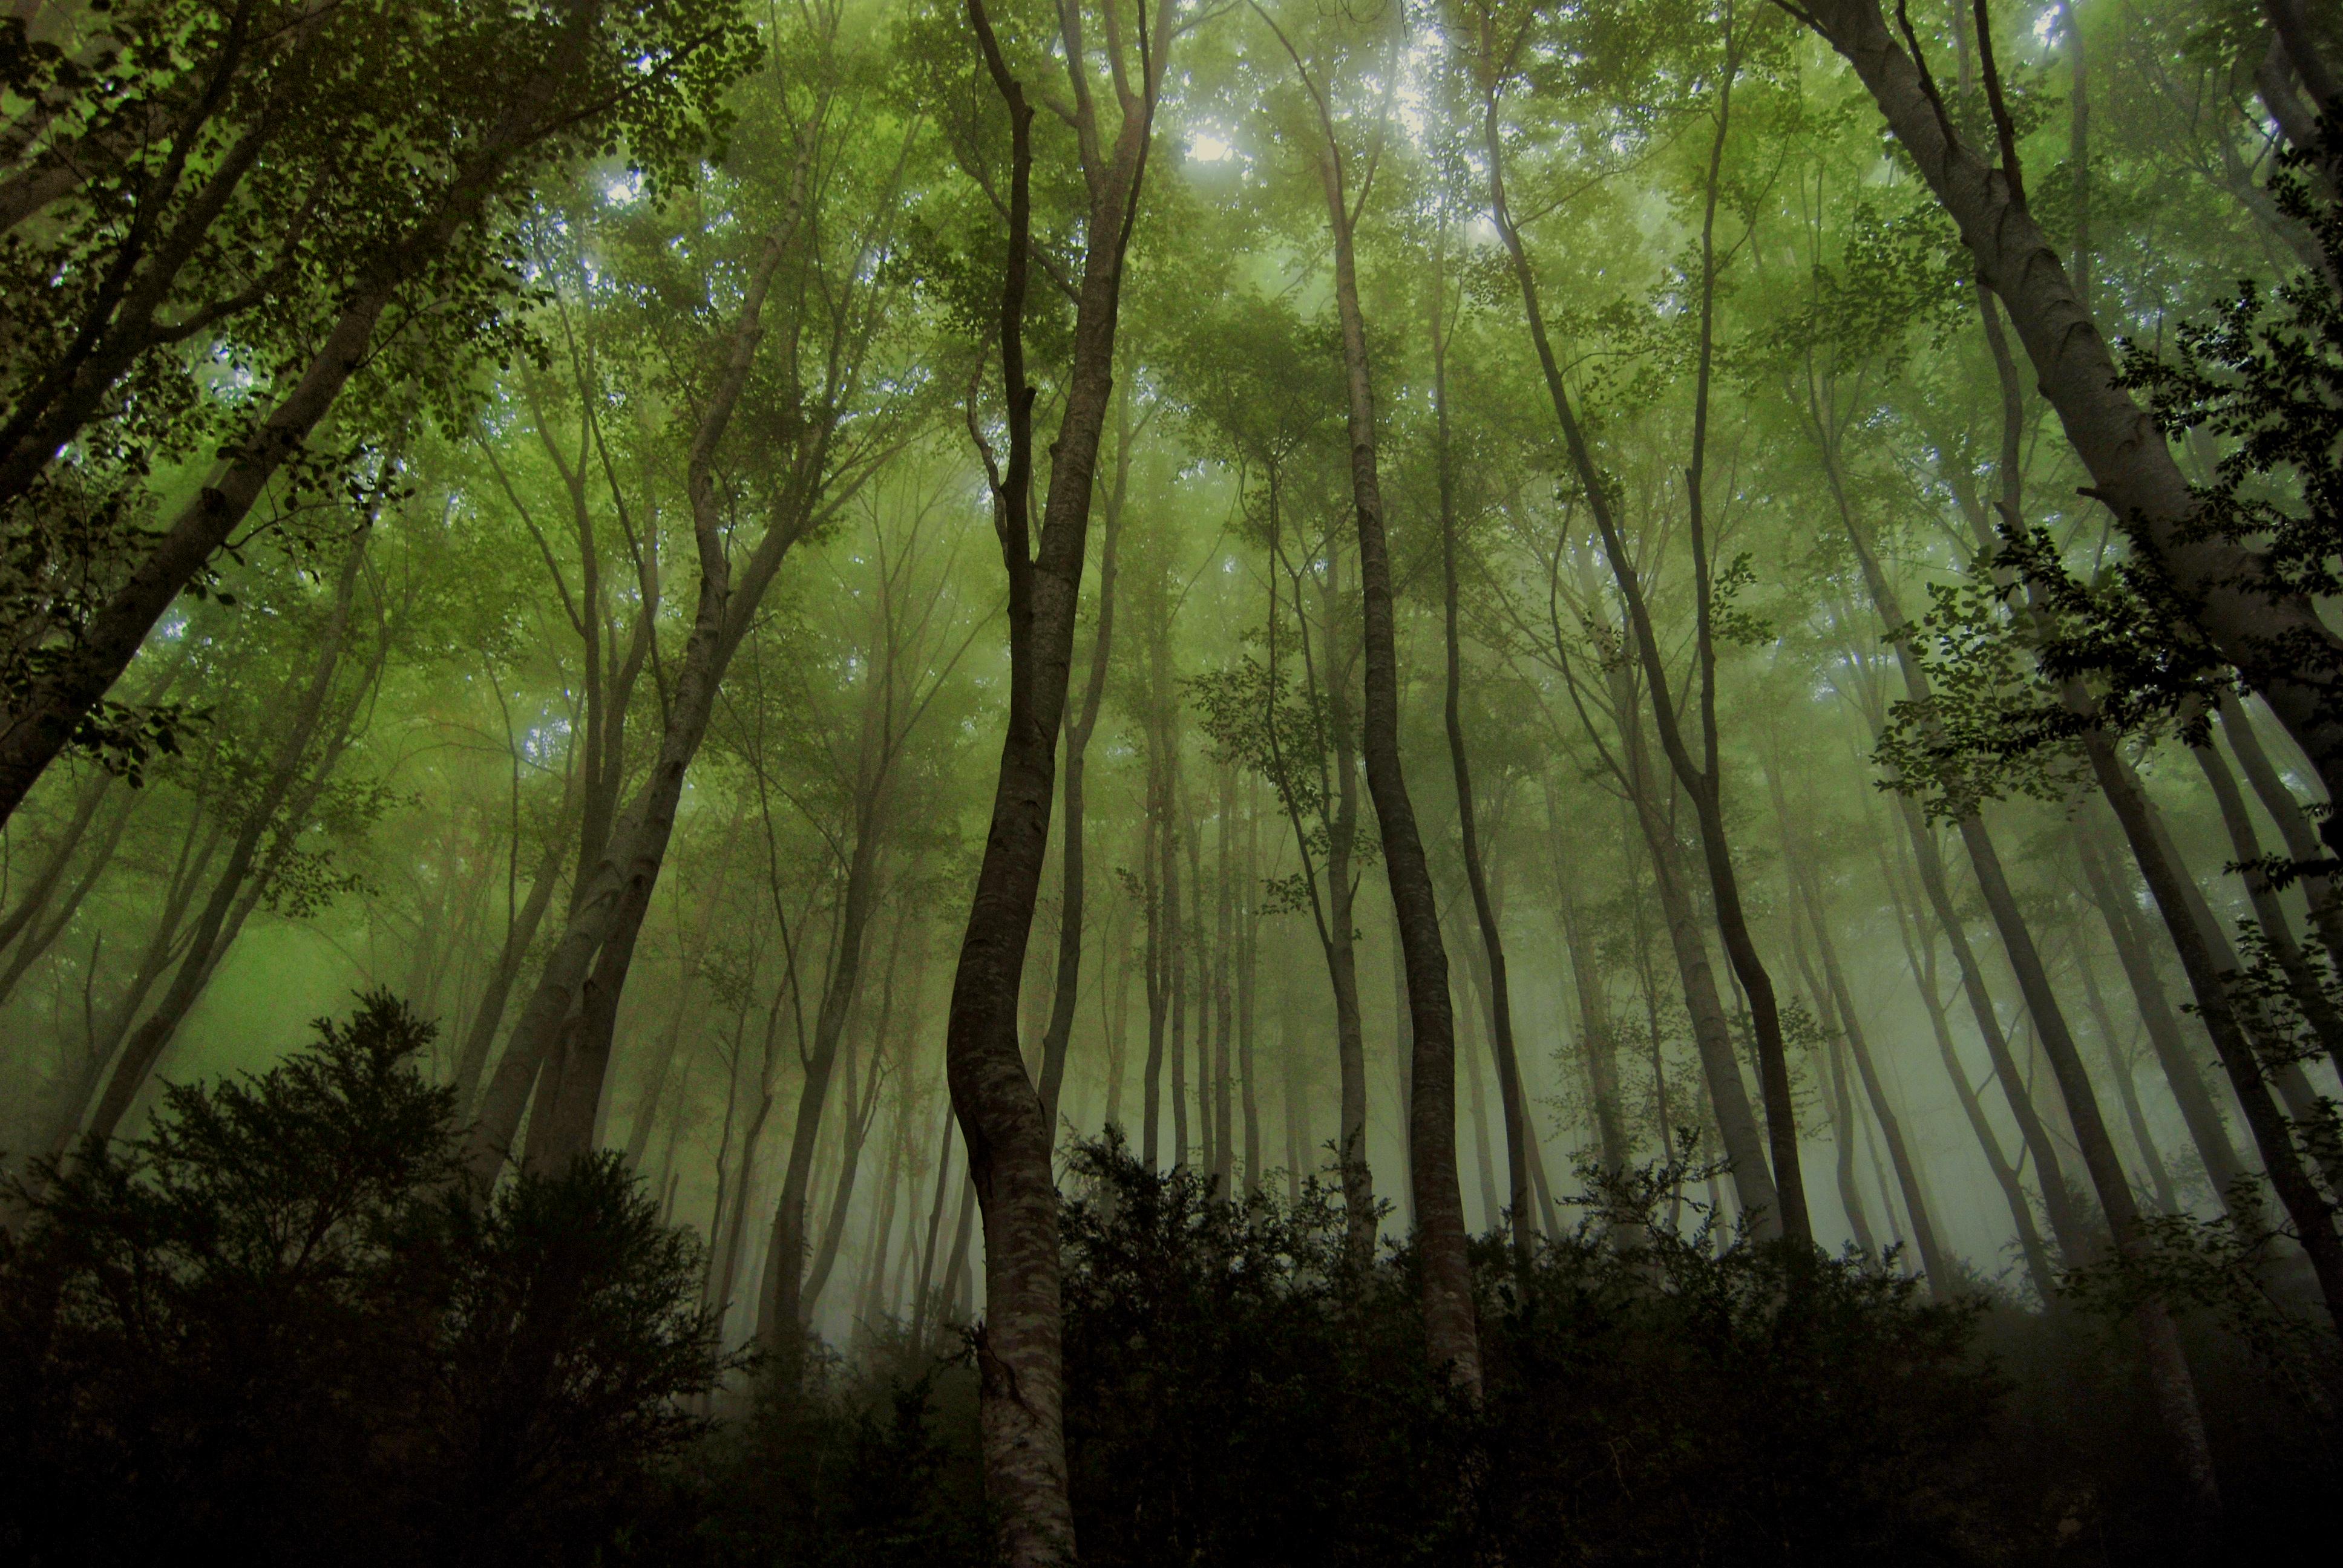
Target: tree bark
(1451, 1338)
(1501, 1001)
(41, 722)
(1019, 1355)
(2277, 642)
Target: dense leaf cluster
(278, 1330)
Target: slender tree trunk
(1018, 1350)
(2119, 914)
(1225, 991)
(2167, 1198)
(1501, 1002)
(36, 897)
(1452, 1339)
(2301, 838)
(31, 944)
(611, 897)
(1700, 782)
(2068, 1226)
(278, 808)
(1248, 978)
(1919, 953)
(1804, 879)
(1842, 1104)
(2313, 1216)
(1079, 727)
(921, 1293)
(481, 1037)
(2303, 983)
(781, 1312)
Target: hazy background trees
(546, 513)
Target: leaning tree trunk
(277, 808)
(2276, 639)
(2119, 912)
(40, 722)
(2294, 826)
(1911, 929)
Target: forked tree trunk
(1699, 779)
(612, 894)
(1018, 1348)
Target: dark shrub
(279, 1329)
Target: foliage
(1236, 1395)
(277, 1328)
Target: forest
(955, 783)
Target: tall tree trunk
(1728, 1097)
(922, 1292)
(1223, 989)
(1018, 1349)
(35, 899)
(1699, 779)
(2068, 1226)
(781, 1312)
(1080, 726)
(1920, 956)
(2303, 982)
(1798, 855)
(2313, 1216)
(1841, 1102)
(1248, 978)
(2120, 915)
(1451, 1338)
(2261, 629)
(2302, 844)
(1501, 1001)
(32, 943)
(277, 809)
(480, 1037)
(2159, 1177)
(611, 897)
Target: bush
(1236, 1395)
(280, 1328)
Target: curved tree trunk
(1451, 1338)
(1018, 1348)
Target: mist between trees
(1193, 782)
